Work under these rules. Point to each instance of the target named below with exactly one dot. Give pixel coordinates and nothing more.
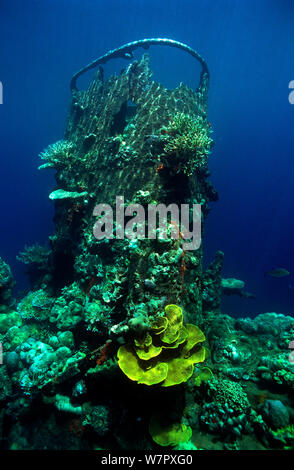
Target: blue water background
(249, 47)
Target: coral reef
(103, 351)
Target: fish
(247, 295)
(278, 272)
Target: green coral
(230, 393)
(284, 377)
(34, 254)
(35, 306)
(97, 316)
(16, 335)
(188, 139)
(57, 154)
(285, 435)
(7, 320)
(68, 309)
(97, 418)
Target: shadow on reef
(121, 343)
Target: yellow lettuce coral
(166, 354)
(131, 366)
(166, 435)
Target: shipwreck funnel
(131, 144)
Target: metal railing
(126, 52)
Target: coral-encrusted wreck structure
(131, 137)
(120, 342)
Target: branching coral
(188, 140)
(34, 254)
(56, 154)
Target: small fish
(278, 272)
(247, 295)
